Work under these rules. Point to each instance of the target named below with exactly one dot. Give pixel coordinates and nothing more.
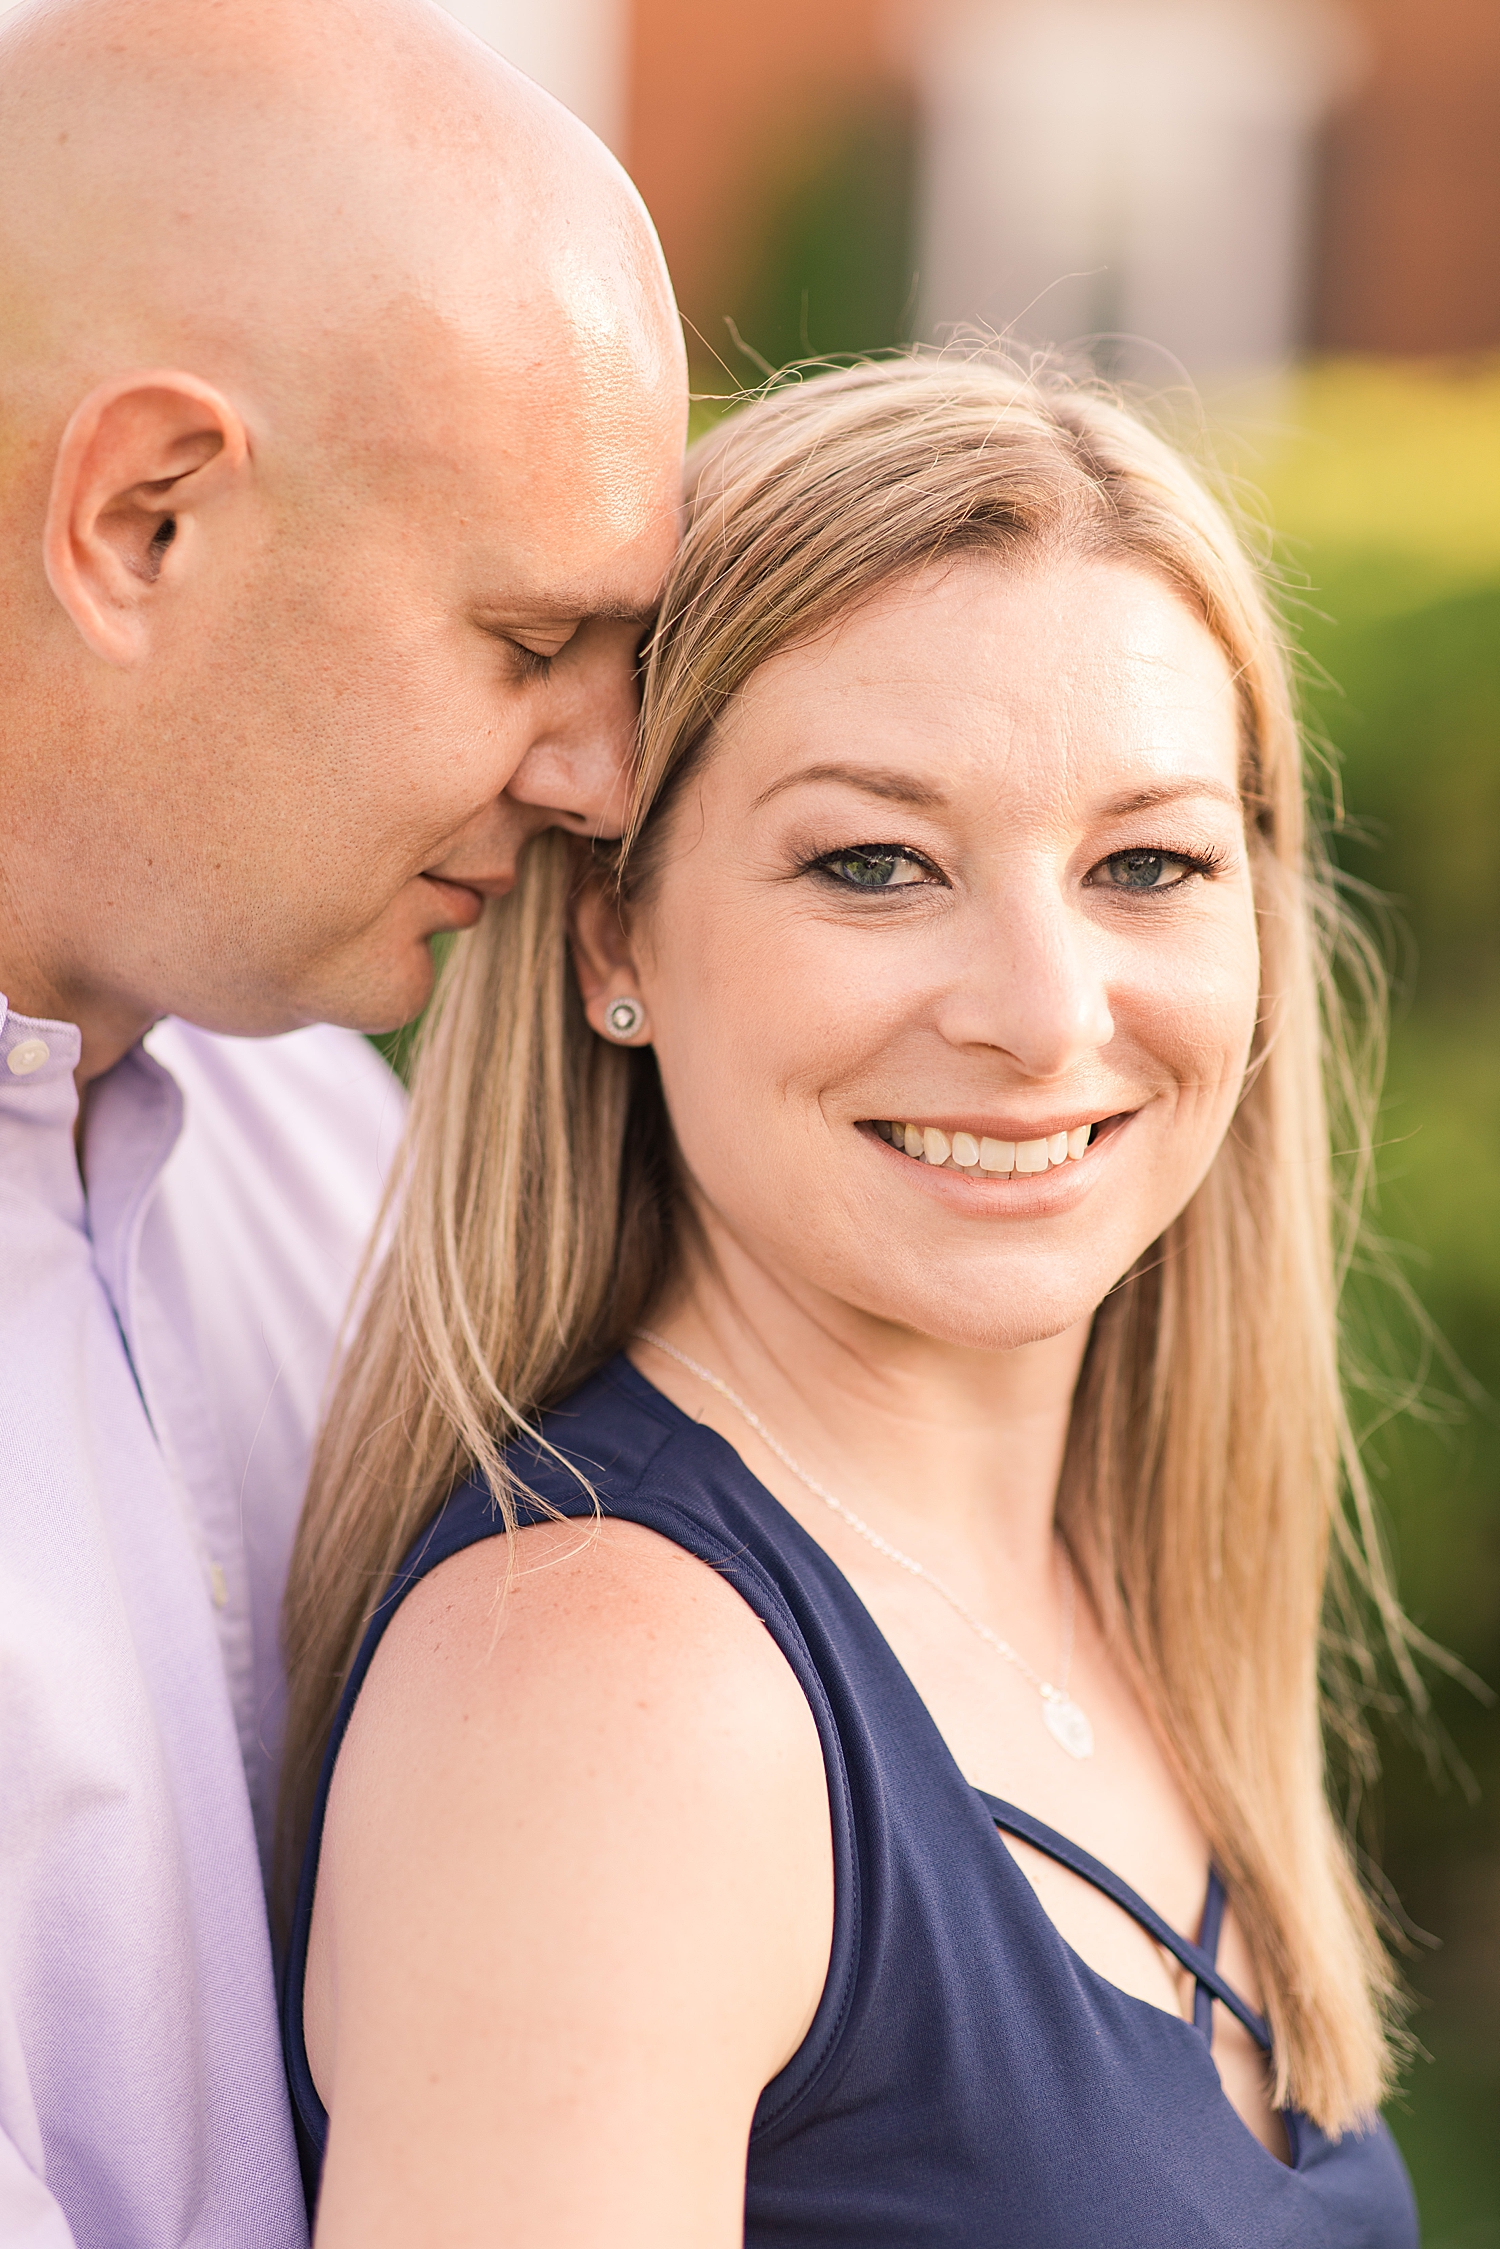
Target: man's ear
(602, 959)
(138, 462)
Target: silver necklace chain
(1063, 1718)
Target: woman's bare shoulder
(580, 1817)
(607, 1610)
(582, 1670)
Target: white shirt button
(27, 1056)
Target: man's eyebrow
(507, 624)
(539, 616)
(618, 612)
(1173, 792)
(887, 782)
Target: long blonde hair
(1212, 1493)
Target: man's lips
(462, 903)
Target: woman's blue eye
(873, 867)
(1146, 870)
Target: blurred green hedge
(1383, 484)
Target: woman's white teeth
(968, 1152)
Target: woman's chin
(995, 1329)
(1000, 1306)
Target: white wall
(1142, 166)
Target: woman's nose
(1034, 983)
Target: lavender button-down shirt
(164, 1338)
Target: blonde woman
(808, 1616)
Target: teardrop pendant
(1068, 1726)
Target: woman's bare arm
(574, 1908)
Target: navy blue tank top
(968, 2081)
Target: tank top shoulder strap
(1200, 1960)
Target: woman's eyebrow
(1172, 792)
(884, 781)
(893, 786)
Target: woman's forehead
(1067, 676)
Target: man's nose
(1035, 983)
(577, 767)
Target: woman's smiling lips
(1023, 1160)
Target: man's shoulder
(298, 1132)
(338, 1072)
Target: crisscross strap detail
(1208, 1941)
(1198, 1959)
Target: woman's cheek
(1201, 1030)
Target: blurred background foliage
(1383, 484)
(831, 266)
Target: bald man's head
(341, 405)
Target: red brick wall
(720, 95)
(1409, 231)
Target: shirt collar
(135, 1114)
(38, 1109)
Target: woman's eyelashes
(1140, 871)
(875, 866)
(1147, 868)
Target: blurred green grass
(1383, 487)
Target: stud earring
(625, 1018)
